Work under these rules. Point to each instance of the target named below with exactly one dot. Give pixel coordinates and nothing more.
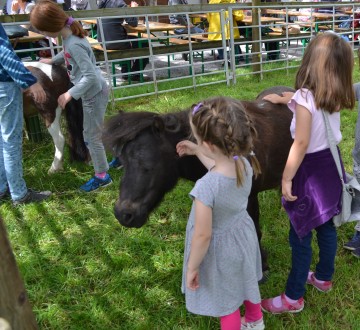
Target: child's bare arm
(279, 99)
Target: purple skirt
(318, 189)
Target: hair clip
(252, 153)
(236, 157)
(196, 108)
(69, 21)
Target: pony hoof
(53, 169)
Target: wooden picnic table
(31, 39)
(316, 15)
(153, 27)
(263, 20)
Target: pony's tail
(74, 119)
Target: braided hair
(224, 122)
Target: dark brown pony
(146, 142)
(55, 81)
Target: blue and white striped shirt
(11, 67)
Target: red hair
(47, 16)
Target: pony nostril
(126, 218)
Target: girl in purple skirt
(311, 186)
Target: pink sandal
(323, 287)
(268, 306)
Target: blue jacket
(11, 67)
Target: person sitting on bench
(114, 30)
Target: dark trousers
(221, 52)
(136, 63)
(302, 254)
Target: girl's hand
(286, 187)
(186, 147)
(15, 6)
(37, 93)
(279, 99)
(134, 4)
(192, 279)
(46, 60)
(64, 99)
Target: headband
(69, 21)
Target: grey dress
(231, 269)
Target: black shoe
(185, 56)
(32, 196)
(4, 195)
(135, 77)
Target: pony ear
(172, 124)
(158, 124)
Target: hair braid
(224, 123)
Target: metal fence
(288, 32)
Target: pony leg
(254, 212)
(59, 142)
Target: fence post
(15, 308)
(256, 45)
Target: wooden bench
(313, 25)
(346, 30)
(31, 39)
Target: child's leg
(231, 321)
(94, 112)
(252, 311)
(327, 241)
(301, 253)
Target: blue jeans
(11, 126)
(301, 258)
(94, 112)
(193, 30)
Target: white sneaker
(257, 325)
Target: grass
(83, 270)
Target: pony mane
(125, 126)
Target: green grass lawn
(83, 270)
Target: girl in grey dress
(222, 263)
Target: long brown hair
(326, 70)
(47, 16)
(224, 122)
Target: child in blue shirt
(14, 78)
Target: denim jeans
(302, 254)
(94, 112)
(193, 30)
(11, 125)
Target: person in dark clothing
(114, 30)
